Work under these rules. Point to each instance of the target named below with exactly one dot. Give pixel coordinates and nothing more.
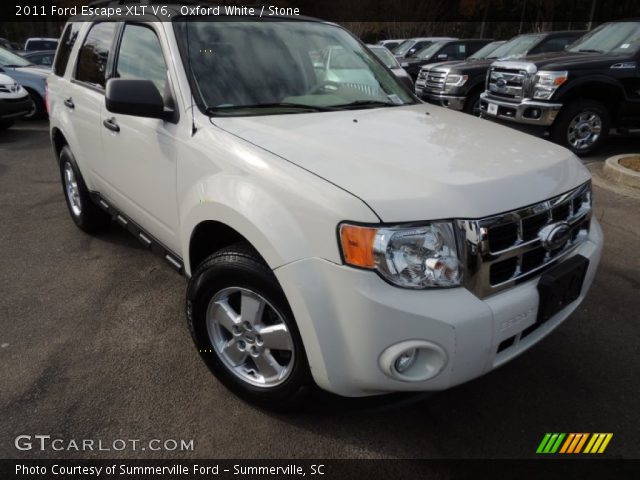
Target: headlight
(545, 83)
(415, 256)
(455, 80)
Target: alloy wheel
(250, 337)
(71, 189)
(584, 130)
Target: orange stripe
(575, 442)
(584, 439)
(567, 442)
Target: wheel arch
(600, 89)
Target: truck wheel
(39, 110)
(244, 329)
(86, 214)
(472, 105)
(582, 126)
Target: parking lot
(94, 345)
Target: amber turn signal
(357, 245)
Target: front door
(139, 168)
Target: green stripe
(547, 449)
(558, 442)
(543, 442)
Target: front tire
(84, 212)
(582, 126)
(39, 110)
(472, 105)
(244, 329)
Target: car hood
(575, 60)
(37, 71)
(417, 162)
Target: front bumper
(449, 101)
(527, 111)
(14, 108)
(349, 318)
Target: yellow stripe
(601, 436)
(567, 442)
(574, 443)
(606, 442)
(590, 444)
(584, 439)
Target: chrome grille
(435, 80)
(506, 249)
(507, 84)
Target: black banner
(316, 469)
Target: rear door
(139, 167)
(85, 98)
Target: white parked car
(15, 102)
(352, 238)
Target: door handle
(111, 124)
(69, 103)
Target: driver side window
(140, 57)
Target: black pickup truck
(575, 96)
(459, 85)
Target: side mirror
(443, 56)
(139, 98)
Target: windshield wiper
(366, 103)
(590, 50)
(257, 106)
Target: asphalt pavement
(94, 345)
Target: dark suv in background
(441, 52)
(575, 96)
(459, 85)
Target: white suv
(338, 233)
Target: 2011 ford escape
(340, 232)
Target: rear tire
(582, 126)
(241, 323)
(84, 212)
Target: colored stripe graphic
(573, 443)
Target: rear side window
(68, 40)
(93, 56)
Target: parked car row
(570, 86)
(23, 79)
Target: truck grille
(504, 250)
(506, 84)
(435, 80)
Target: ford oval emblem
(501, 83)
(554, 236)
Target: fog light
(405, 360)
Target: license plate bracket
(492, 108)
(560, 286)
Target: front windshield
(515, 47)
(385, 56)
(268, 67)
(616, 38)
(429, 51)
(8, 58)
(485, 51)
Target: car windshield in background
(429, 51)
(275, 67)
(42, 45)
(515, 47)
(616, 38)
(486, 51)
(405, 46)
(10, 59)
(385, 56)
